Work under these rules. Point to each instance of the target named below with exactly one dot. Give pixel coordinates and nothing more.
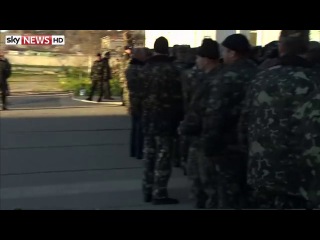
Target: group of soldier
(100, 76)
(243, 122)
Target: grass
(75, 84)
(66, 79)
(46, 67)
(34, 83)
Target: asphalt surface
(60, 153)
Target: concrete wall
(66, 60)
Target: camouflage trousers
(231, 175)
(125, 95)
(176, 159)
(272, 200)
(184, 150)
(201, 172)
(157, 165)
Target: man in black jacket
(5, 72)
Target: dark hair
(98, 55)
(209, 49)
(296, 42)
(161, 45)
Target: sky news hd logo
(35, 40)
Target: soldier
(182, 63)
(97, 75)
(181, 57)
(283, 173)
(161, 109)
(123, 81)
(107, 92)
(5, 72)
(270, 55)
(208, 61)
(222, 150)
(135, 86)
(189, 80)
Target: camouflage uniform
(308, 116)
(5, 72)
(283, 141)
(162, 112)
(97, 75)
(190, 81)
(220, 133)
(191, 128)
(180, 142)
(107, 90)
(135, 86)
(123, 81)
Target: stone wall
(64, 60)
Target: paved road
(57, 153)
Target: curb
(24, 94)
(117, 103)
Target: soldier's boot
(165, 201)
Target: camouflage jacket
(316, 68)
(108, 69)
(274, 118)
(307, 116)
(135, 86)
(192, 123)
(220, 120)
(162, 96)
(189, 80)
(98, 71)
(182, 66)
(123, 67)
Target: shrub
(76, 79)
(115, 87)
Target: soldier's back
(163, 93)
(227, 94)
(135, 85)
(190, 80)
(274, 149)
